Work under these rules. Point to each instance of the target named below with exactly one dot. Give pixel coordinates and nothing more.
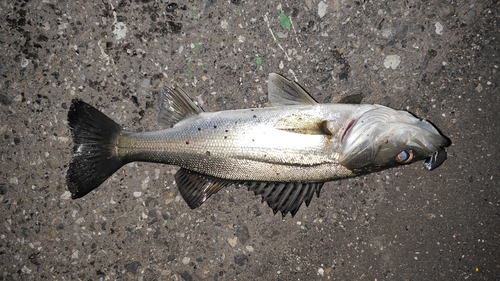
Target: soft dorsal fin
(175, 105)
(282, 91)
(196, 188)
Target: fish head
(379, 137)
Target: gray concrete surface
(438, 59)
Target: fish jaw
(379, 134)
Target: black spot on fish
(207, 153)
(225, 137)
(215, 127)
(187, 142)
(199, 129)
(227, 131)
(255, 116)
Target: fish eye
(404, 157)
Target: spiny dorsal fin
(282, 91)
(175, 105)
(285, 197)
(196, 188)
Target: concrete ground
(439, 59)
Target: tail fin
(95, 158)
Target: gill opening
(349, 126)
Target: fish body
(284, 153)
(248, 144)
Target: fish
(284, 153)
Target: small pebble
(282, 35)
(145, 182)
(25, 270)
(14, 180)
(24, 62)
(224, 25)
(479, 88)
(120, 30)
(321, 271)
(232, 241)
(66, 195)
(392, 61)
(185, 260)
(439, 28)
(322, 9)
(62, 139)
(146, 83)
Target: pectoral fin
(304, 124)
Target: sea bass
(284, 153)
